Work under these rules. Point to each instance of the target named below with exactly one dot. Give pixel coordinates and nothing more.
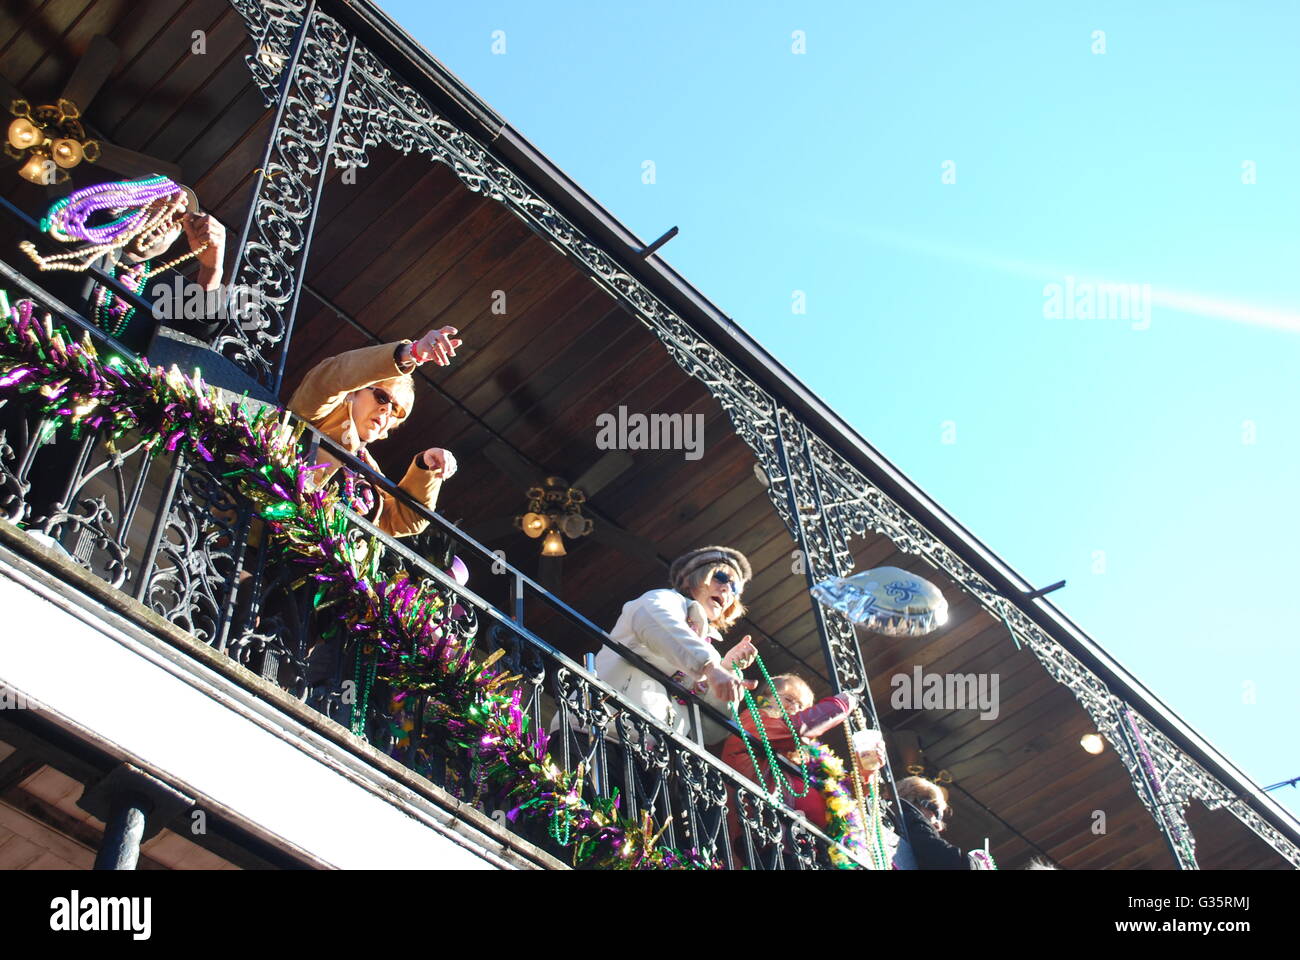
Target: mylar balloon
(886, 600)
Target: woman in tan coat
(355, 399)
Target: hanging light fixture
(555, 511)
(49, 139)
(1092, 742)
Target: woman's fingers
(436, 345)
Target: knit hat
(688, 563)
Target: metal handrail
(378, 479)
(520, 630)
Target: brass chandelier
(554, 512)
(49, 139)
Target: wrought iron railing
(172, 533)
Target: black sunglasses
(723, 577)
(384, 398)
(933, 807)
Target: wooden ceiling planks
(1221, 845)
(178, 106)
(41, 34)
(74, 23)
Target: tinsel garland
(402, 622)
(843, 821)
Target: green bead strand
(778, 775)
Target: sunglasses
(727, 580)
(384, 398)
(945, 814)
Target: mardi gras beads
(114, 313)
(778, 775)
(559, 827)
(874, 816)
(364, 673)
(68, 220)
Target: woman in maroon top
(808, 719)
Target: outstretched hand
(725, 685)
(436, 345)
(742, 655)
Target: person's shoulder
(663, 596)
(657, 599)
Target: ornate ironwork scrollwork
(272, 254)
(272, 25)
(86, 473)
(199, 548)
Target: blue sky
(1152, 465)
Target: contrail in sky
(1183, 301)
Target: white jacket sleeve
(660, 623)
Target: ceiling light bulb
(533, 524)
(553, 545)
(1092, 743)
(24, 134)
(66, 153)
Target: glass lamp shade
(1092, 743)
(575, 525)
(24, 134)
(66, 153)
(553, 545)
(38, 169)
(533, 524)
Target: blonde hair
(733, 611)
(919, 788)
(402, 387)
(794, 683)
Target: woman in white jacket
(676, 629)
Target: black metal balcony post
(599, 780)
(839, 641)
(159, 529)
(123, 833)
(134, 807)
(1170, 822)
(518, 594)
(276, 238)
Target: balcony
(370, 194)
(162, 549)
